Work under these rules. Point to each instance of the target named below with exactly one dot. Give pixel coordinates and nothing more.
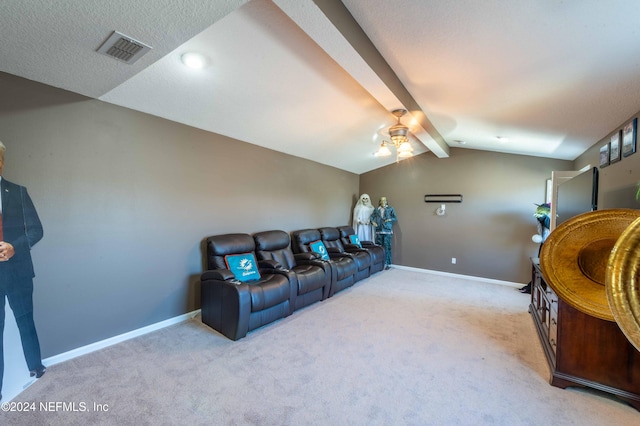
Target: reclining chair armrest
(310, 255)
(337, 254)
(352, 248)
(368, 244)
(226, 304)
(333, 250)
(349, 246)
(309, 260)
(217, 274)
(269, 264)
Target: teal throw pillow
(243, 266)
(318, 247)
(355, 240)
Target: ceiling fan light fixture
(405, 154)
(399, 140)
(405, 147)
(398, 130)
(383, 151)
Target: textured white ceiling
(553, 76)
(292, 75)
(55, 42)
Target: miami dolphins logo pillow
(318, 247)
(243, 266)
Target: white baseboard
(56, 359)
(466, 277)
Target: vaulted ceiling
(319, 79)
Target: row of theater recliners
(253, 280)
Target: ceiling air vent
(123, 48)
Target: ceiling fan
(398, 134)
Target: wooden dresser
(583, 350)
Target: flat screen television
(577, 195)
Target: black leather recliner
(343, 266)
(233, 307)
(312, 276)
(331, 239)
(375, 251)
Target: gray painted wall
(619, 181)
(126, 198)
(489, 233)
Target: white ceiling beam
(333, 28)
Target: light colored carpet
(400, 348)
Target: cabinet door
(537, 298)
(553, 327)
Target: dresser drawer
(538, 302)
(553, 327)
(551, 296)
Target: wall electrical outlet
(454, 260)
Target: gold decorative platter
(623, 283)
(575, 257)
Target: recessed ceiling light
(502, 139)
(194, 60)
(459, 142)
